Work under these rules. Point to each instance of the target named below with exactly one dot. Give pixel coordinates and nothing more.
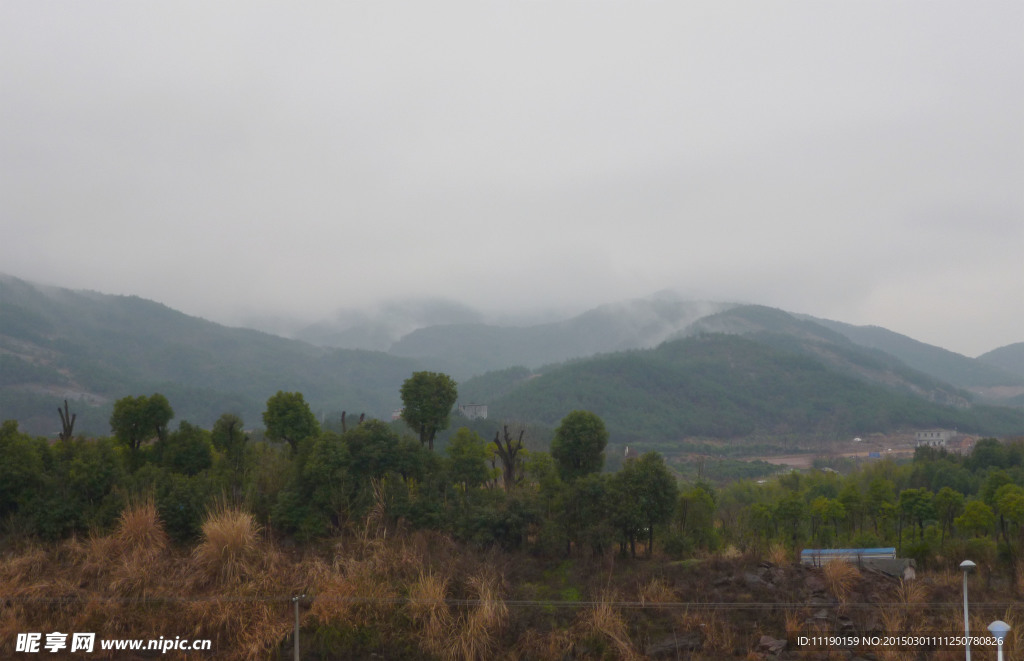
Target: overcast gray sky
(862, 161)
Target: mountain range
(657, 369)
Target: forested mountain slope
(94, 348)
(725, 386)
(975, 374)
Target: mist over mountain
(378, 328)
(471, 349)
(93, 348)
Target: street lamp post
(999, 629)
(295, 600)
(967, 566)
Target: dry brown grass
(912, 592)
(139, 528)
(794, 624)
(654, 592)
(429, 608)
(779, 555)
(228, 547)
(477, 630)
(604, 621)
(840, 578)
(718, 636)
(544, 646)
(894, 622)
(351, 592)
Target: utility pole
(295, 600)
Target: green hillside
(1009, 358)
(93, 348)
(951, 367)
(806, 336)
(723, 386)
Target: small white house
(473, 411)
(933, 438)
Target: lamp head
(999, 629)
(967, 565)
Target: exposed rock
(669, 647)
(771, 645)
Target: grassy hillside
(94, 348)
(723, 386)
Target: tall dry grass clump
(912, 593)
(429, 608)
(141, 544)
(779, 555)
(353, 593)
(794, 623)
(228, 549)
(139, 529)
(603, 621)
(478, 629)
(840, 577)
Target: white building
(473, 411)
(933, 438)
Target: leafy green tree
(427, 400)
(541, 470)
(880, 500)
(988, 453)
(760, 519)
(21, 467)
(321, 489)
(824, 510)
(138, 419)
(578, 445)
(583, 513)
(182, 501)
(790, 512)
(645, 494)
(288, 418)
(695, 515)
(83, 482)
(1010, 505)
(995, 480)
(948, 505)
(228, 436)
(978, 518)
(854, 506)
(187, 451)
(915, 505)
(374, 450)
(467, 459)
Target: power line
(698, 605)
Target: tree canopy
(578, 445)
(428, 398)
(288, 418)
(137, 419)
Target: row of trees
(307, 482)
